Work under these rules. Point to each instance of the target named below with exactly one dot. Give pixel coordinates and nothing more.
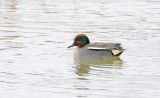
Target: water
(35, 62)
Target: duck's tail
(116, 52)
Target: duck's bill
(71, 45)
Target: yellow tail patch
(116, 52)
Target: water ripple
(34, 60)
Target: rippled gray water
(35, 63)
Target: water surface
(35, 62)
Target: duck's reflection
(83, 65)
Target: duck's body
(95, 50)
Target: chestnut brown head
(80, 40)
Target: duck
(86, 49)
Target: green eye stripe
(83, 39)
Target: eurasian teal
(95, 50)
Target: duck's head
(80, 40)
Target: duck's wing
(105, 46)
(115, 48)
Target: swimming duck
(85, 49)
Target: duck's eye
(79, 39)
